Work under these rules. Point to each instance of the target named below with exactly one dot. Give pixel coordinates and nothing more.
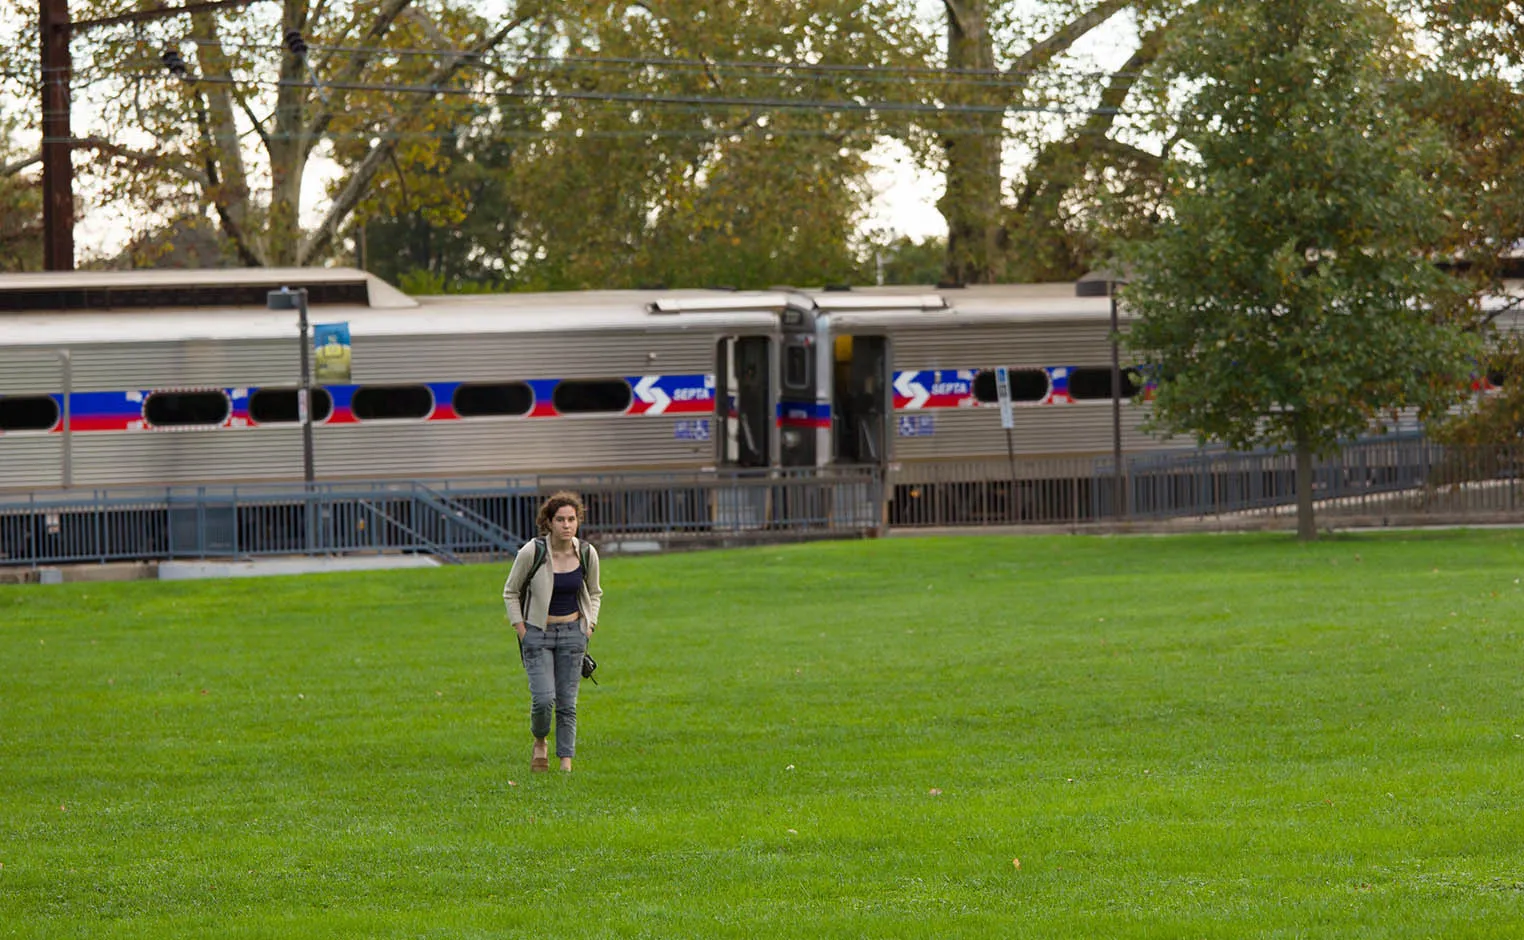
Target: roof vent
(189, 288)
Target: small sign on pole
(1003, 389)
(1007, 419)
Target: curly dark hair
(553, 503)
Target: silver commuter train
(177, 377)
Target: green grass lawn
(1177, 737)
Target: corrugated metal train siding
(463, 448)
(30, 460)
(122, 366)
(594, 442)
(378, 360)
(1014, 345)
(29, 372)
(504, 357)
(1080, 428)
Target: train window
(1096, 383)
(796, 367)
(27, 413)
(185, 409)
(278, 405)
(482, 400)
(1026, 385)
(585, 396)
(392, 402)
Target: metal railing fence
(451, 519)
(1393, 480)
(205, 522)
(1405, 479)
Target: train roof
(1024, 303)
(172, 288)
(88, 307)
(453, 314)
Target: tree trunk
(1306, 523)
(971, 202)
(227, 184)
(287, 148)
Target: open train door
(862, 403)
(743, 419)
(743, 403)
(862, 408)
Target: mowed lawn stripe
(1194, 736)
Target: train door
(743, 403)
(804, 397)
(860, 399)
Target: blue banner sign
(330, 353)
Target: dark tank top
(563, 600)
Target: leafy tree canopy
(20, 205)
(1288, 299)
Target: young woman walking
(553, 607)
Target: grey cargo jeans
(553, 660)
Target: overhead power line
(943, 75)
(631, 133)
(911, 107)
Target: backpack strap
(541, 549)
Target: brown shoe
(539, 764)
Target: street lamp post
(1118, 481)
(288, 299)
(1092, 285)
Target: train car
(181, 377)
(917, 382)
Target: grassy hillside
(1207, 737)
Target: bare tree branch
(248, 110)
(231, 218)
(390, 10)
(156, 160)
(227, 181)
(429, 27)
(1058, 166)
(11, 169)
(1059, 43)
(1152, 161)
(355, 187)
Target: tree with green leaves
(706, 143)
(1006, 57)
(20, 206)
(1288, 298)
(1473, 92)
(225, 112)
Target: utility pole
(57, 138)
(55, 30)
